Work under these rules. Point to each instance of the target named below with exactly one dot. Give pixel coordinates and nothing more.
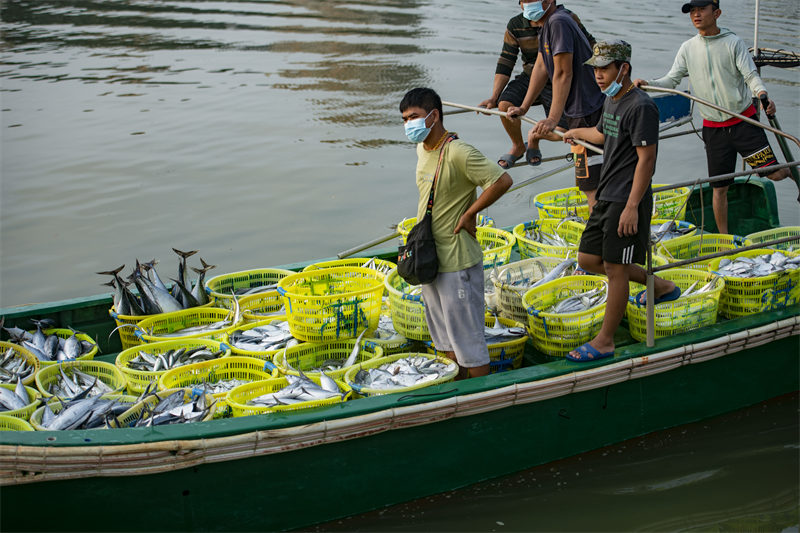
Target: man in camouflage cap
(618, 231)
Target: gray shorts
(454, 311)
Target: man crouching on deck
(454, 302)
(618, 231)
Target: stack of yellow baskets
(407, 308)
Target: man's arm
(629, 219)
(747, 68)
(591, 135)
(562, 81)
(487, 198)
(673, 77)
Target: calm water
(267, 132)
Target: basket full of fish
(401, 372)
(549, 237)
(386, 336)
(72, 379)
(287, 393)
(144, 365)
(93, 412)
(198, 323)
(258, 285)
(262, 339)
(216, 377)
(332, 303)
(17, 363)
(505, 340)
(165, 407)
(664, 230)
(562, 203)
(758, 280)
(333, 358)
(691, 246)
(778, 233)
(407, 308)
(696, 307)
(18, 400)
(12, 423)
(153, 297)
(566, 312)
(53, 345)
(406, 225)
(496, 245)
(515, 279)
(381, 265)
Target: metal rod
(755, 36)
(674, 124)
(456, 112)
(765, 244)
(523, 118)
(650, 307)
(370, 244)
(722, 110)
(676, 134)
(544, 160)
(542, 176)
(712, 179)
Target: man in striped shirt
(521, 38)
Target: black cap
(699, 3)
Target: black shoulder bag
(417, 261)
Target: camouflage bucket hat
(606, 52)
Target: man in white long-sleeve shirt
(723, 72)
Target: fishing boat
(289, 470)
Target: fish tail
(112, 272)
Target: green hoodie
(720, 69)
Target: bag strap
(450, 137)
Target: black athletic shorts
(722, 145)
(517, 88)
(587, 162)
(601, 238)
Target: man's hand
(488, 103)
(569, 137)
(638, 82)
(466, 222)
(628, 221)
(544, 127)
(770, 109)
(514, 111)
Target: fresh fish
(299, 389)
(578, 302)
(14, 367)
(150, 362)
(199, 290)
(268, 337)
(404, 372)
(351, 360)
(758, 266)
(10, 401)
(556, 273)
(668, 230)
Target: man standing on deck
(721, 71)
(618, 231)
(454, 302)
(521, 38)
(563, 49)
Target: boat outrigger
(292, 469)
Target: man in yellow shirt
(454, 303)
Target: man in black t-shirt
(618, 231)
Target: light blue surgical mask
(614, 88)
(416, 131)
(533, 10)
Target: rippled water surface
(267, 132)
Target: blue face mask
(533, 10)
(614, 88)
(416, 131)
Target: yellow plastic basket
(670, 204)
(496, 245)
(24, 412)
(129, 417)
(105, 372)
(237, 398)
(139, 380)
(310, 356)
(691, 246)
(777, 233)
(160, 327)
(265, 355)
(56, 406)
(126, 331)
(381, 265)
(405, 225)
(562, 203)
(65, 334)
(349, 377)
(261, 306)
(408, 310)
(684, 314)
(746, 296)
(569, 230)
(12, 423)
(557, 334)
(332, 303)
(528, 271)
(19, 351)
(232, 367)
(221, 287)
(502, 355)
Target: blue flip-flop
(673, 295)
(587, 352)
